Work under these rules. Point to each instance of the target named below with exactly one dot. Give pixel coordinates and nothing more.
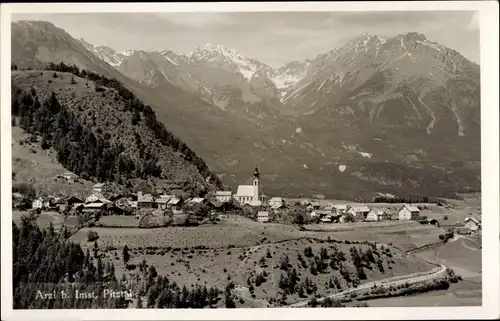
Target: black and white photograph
(250, 159)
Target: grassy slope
(31, 164)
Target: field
(461, 254)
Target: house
(472, 223)
(372, 216)
(463, 230)
(97, 197)
(326, 219)
(145, 200)
(276, 202)
(69, 176)
(223, 196)
(162, 203)
(94, 207)
(263, 217)
(314, 205)
(408, 212)
(318, 213)
(329, 208)
(197, 200)
(37, 203)
(394, 217)
(17, 196)
(340, 208)
(359, 211)
(175, 203)
(115, 210)
(376, 215)
(98, 188)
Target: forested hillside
(101, 131)
(46, 263)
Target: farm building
(100, 188)
(408, 212)
(145, 200)
(462, 230)
(115, 210)
(223, 196)
(69, 176)
(318, 213)
(162, 203)
(276, 202)
(314, 205)
(263, 217)
(340, 208)
(326, 219)
(96, 196)
(360, 212)
(197, 200)
(38, 203)
(472, 223)
(17, 195)
(329, 208)
(376, 215)
(94, 207)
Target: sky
(274, 38)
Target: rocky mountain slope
(397, 114)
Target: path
(410, 279)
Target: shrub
(92, 236)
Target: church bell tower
(256, 176)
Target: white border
(488, 13)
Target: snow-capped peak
(127, 52)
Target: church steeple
(256, 174)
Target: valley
(407, 124)
(210, 179)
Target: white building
(472, 223)
(98, 188)
(340, 208)
(263, 217)
(276, 202)
(376, 215)
(359, 211)
(223, 196)
(249, 194)
(408, 212)
(38, 203)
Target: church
(249, 194)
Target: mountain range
(379, 114)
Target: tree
(229, 299)
(126, 254)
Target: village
(158, 208)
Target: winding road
(409, 278)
